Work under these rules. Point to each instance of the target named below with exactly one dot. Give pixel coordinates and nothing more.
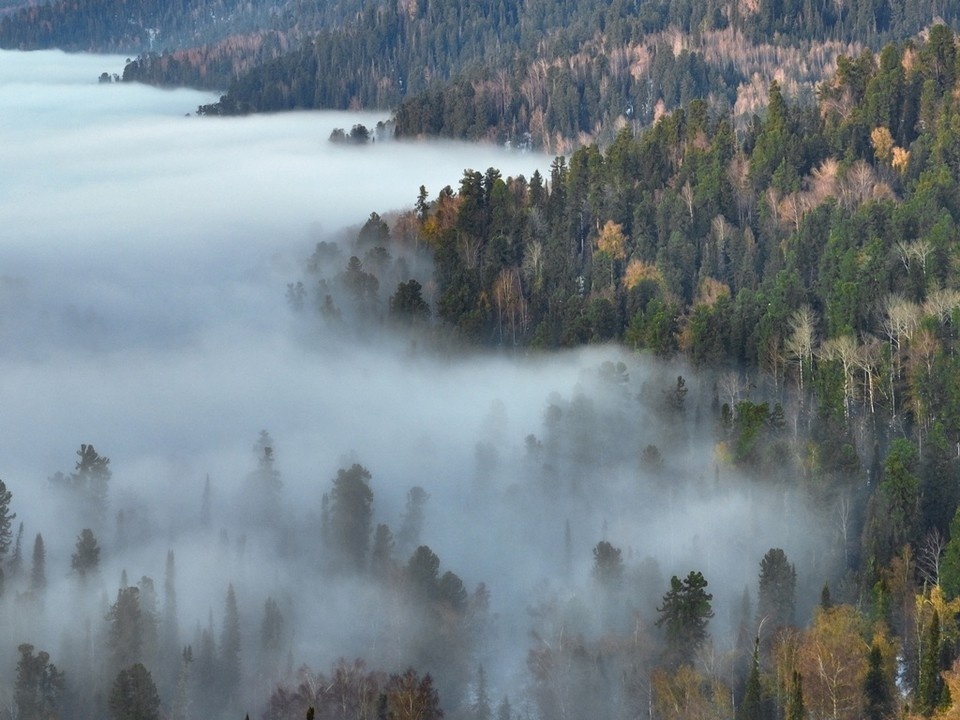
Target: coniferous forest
(772, 286)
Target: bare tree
(941, 303)
(928, 559)
(800, 342)
(843, 349)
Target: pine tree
(6, 521)
(351, 509)
(411, 525)
(775, 596)
(684, 615)
(38, 575)
(86, 557)
(271, 635)
(930, 686)
(229, 655)
(39, 685)
(134, 695)
(481, 704)
(125, 630)
(795, 708)
(876, 689)
(15, 565)
(381, 556)
(170, 629)
(753, 706)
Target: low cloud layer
(143, 264)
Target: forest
(542, 74)
(745, 504)
(805, 271)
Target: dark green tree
(411, 524)
(423, 572)
(38, 573)
(607, 566)
(90, 481)
(229, 651)
(272, 634)
(877, 693)
(351, 510)
(134, 695)
(264, 484)
(407, 302)
(6, 520)
(381, 556)
(776, 594)
(125, 630)
(685, 615)
(931, 689)
(86, 556)
(754, 705)
(39, 686)
(795, 708)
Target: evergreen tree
(607, 566)
(481, 710)
(15, 564)
(134, 695)
(754, 706)
(125, 630)
(38, 574)
(170, 628)
(411, 525)
(795, 709)
(6, 520)
(684, 615)
(351, 509)
(229, 655)
(271, 636)
(775, 595)
(39, 686)
(931, 690)
(381, 556)
(877, 693)
(263, 485)
(86, 557)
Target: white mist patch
(144, 258)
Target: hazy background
(144, 257)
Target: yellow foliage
(612, 241)
(710, 290)
(882, 142)
(952, 679)
(722, 453)
(638, 271)
(833, 661)
(685, 694)
(901, 158)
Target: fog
(144, 259)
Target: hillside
(539, 73)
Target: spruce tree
(38, 574)
(6, 520)
(229, 655)
(86, 557)
(134, 695)
(876, 689)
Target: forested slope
(818, 254)
(808, 273)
